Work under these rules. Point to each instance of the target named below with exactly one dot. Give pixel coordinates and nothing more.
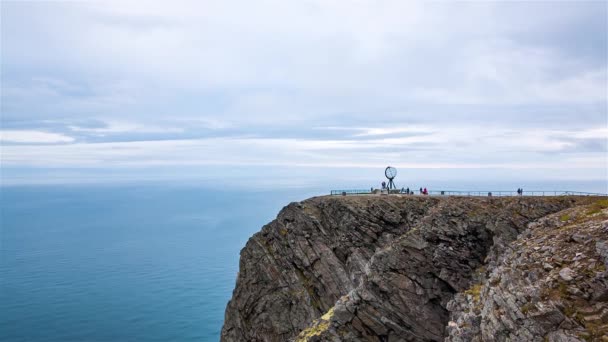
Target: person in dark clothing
(421, 191)
(407, 191)
(383, 185)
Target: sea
(128, 262)
(124, 262)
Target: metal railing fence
(351, 192)
(493, 193)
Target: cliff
(411, 268)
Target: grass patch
(558, 293)
(564, 217)
(597, 207)
(526, 308)
(475, 292)
(317, 328)
(570, 311)
(328, 315)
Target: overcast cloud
(317, 84)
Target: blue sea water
(124, 262)
(137, 262)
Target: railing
(499, 193)
(493, 193)
(351, 192)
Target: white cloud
(597, 133)
(112, 127)
(449, 148)
(422, 83)
(375, 131)
(33, 137)
(411, 48)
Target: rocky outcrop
(551, 284)
(398, 268)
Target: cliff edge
(411, 268)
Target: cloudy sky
(209, 88)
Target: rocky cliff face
(410, 268)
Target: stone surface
(414, 268)
(566, 274)
(564, 292)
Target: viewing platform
(487, 193)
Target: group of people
(423, 191)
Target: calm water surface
(126, 263)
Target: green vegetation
(570, 311)
(317, 328)
(558, 293)
(564, 217)
(597, 207)
(527, 307)
(328, 315)
(593, 330)
(590, 272)
(475, 292)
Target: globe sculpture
(390, 173)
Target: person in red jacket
(425, 192)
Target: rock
(574, 290)
(566, 274)
(602, 250)
(560, 336)
(405, 268)
(580, 238)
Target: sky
(295, 90)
